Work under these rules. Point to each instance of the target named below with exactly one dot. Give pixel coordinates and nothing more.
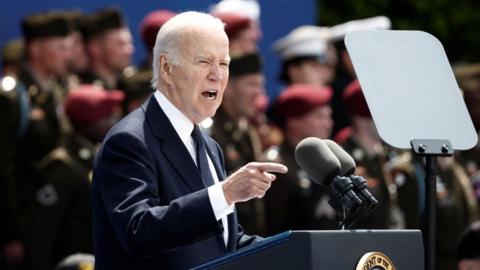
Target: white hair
(169, 37)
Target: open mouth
(210, 94)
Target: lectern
(329, 250)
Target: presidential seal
(375, 261)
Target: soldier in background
(137, 85)
(294, 202)
(79, 61)
(109, 46)
(362, 141)
(307, 56)
(345, 73)
(241, 35)
(235, 134)
(60, 223)
(245, 41)
(244, 33)
(32, 119)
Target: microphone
(323, 167)
(317, 160)
(347, 164)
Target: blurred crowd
(70, 78)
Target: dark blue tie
(202, 161)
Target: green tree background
(456, 23)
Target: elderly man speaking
(158, 195)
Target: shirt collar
(182, 125)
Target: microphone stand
(345, 201)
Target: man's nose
(216, 73)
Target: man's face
(53, 54)
(78, 61)
(245, 41)
(117, 48)
(199, 80)
(317, 123)
(316, 73)
(242, 92)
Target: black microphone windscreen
(316, 159)
(347, 164)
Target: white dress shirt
(184, 127)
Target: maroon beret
(355, 100)
(300, 99)
(88, 104)
(234, 23)
(151, 24)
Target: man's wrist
(228, 198)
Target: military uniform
(46, 129)
(241, 145)
(95, 26)
(60, 223)
(373, 173)
(34, 125)
(391, 181)
(293, 202)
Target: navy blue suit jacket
(151, 209)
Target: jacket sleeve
(125, 181)
(243, 239)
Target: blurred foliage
(456, 23)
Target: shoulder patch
(47, 195)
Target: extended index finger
(269, 167)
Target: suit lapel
(178, 156)
(232, 218)
(171, 145)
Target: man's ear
(165, 69)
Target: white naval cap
(306, 40)
(247, 8)
(374, 23)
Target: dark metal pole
(429, 229)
